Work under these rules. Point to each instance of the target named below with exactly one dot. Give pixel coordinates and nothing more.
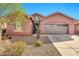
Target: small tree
(5, 9)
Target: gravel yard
(47, 49)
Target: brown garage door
(56, 29)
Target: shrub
(20, 47)
(38, 43)
(17, 48)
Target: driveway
(67, 45)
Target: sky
(69, 9)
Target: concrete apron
(67, 48)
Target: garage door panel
(56, 29)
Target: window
(18, 26)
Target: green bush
(16, 49)
(38, 43)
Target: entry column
(71, 29)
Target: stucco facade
(56, 18)
(27, 29)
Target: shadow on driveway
(60, 38)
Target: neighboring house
(56, 23)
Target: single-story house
(56, 23)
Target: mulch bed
(47, 49)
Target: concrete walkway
(67, 45)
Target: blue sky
(70, 9)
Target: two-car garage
(56, 29)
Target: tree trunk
(3, 34)
(38, 32)
(36, 27)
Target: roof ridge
(61, 14)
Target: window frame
(15, 27)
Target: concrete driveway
(67, 45)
